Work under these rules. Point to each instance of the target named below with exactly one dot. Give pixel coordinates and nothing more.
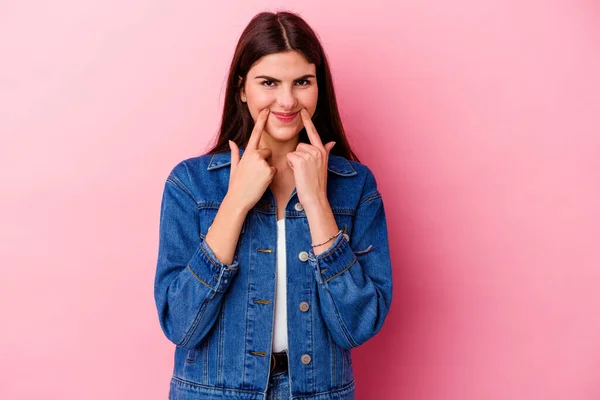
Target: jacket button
(299, 207)
(303, 255)
(305, 359)
(304, 306)
(347, 237)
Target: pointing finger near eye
(311, 131)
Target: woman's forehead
(285, 65)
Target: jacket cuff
(210, 271)
(331, 263)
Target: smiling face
(284, 83)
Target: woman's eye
(268, 83)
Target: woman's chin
(283, 133)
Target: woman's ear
(242, 92)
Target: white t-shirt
(280, 337)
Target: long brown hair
(269, 33)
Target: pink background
(480, 119)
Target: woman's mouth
(285, 117)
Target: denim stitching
(200, 279)
(172, 179)
(368, 197)
(341, 322)
(188, 335)
(342, 271)
(365, 251)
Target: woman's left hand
(309, 164)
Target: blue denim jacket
(220, 316)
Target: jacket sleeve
(190, 282)
(354, 278)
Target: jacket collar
(336, 164)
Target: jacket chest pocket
(206, 217)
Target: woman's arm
(190, 279)
(354, 279)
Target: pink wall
(480, 119)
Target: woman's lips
(285, 117)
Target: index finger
(258, 128)
(311, 131)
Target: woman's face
(284, 83)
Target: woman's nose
(286, 100)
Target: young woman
(273, 258)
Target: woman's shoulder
(361, 173)
(190, 167)
(193, 176)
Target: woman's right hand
(250, 176)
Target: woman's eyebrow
(270, 78)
